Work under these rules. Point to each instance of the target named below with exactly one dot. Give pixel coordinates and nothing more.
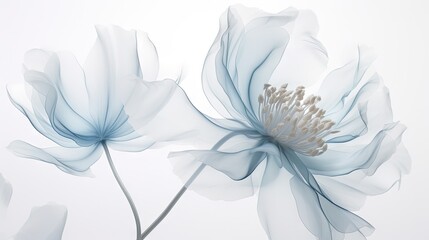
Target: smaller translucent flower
(82, 109)
(45, 222)
(79, 108)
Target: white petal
(344, 80)
(5, 195)
(305, 58)
(148, 57)
(45, 223)
(161, 111)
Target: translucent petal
(48, 102)
(350, 190)
(238, 164)
(305, 58)
(161, 111)
(53, 80)
(64, 73)
(5, 195)
(133, 142)
(324, 218)
(320, 214)
(363, 106)
(45, 222)
(344, 80)
(253, 48)
(113, 59)
(230, 65)
(276, 207)
(339, 160)
(148, 57)
(39, 120)
(71, 160)
(212, 183)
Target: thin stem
(173, 202)
(185, 187)
(124, 190)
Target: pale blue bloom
(323, 153)
(45, 222)
(80, 107)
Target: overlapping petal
(235, 70)
(275, 201)
(75, 161)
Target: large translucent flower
(327, 149)
(45, 222)
(80, 108)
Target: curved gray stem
(173, 202)
(124, 190)
(185, 187)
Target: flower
(80, 108)
(45, 222)
(325, 151)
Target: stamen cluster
(293, 121)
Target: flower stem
(173, 202)
(185, 187)
(124, 190)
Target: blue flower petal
(230, 66)
(339, 160)
(113, 59)
(235, 71)
(350, 191)
(64, 73)
(39, 119)
(212, 183)
(133, 142)
(238, 164)
(75, 161)
(276, 206)
(48, 102)
(324, 218)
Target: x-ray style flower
(322, 151)
(45, 222)
(81, 108)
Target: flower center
(293, 121)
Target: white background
(183, 31)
